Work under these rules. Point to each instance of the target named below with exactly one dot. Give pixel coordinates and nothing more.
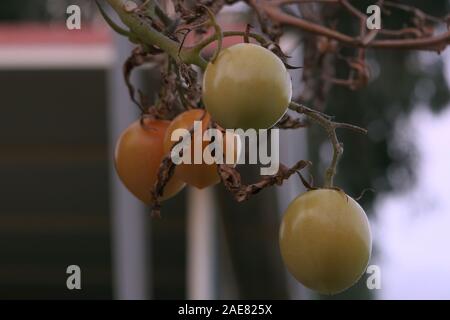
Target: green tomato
(325, 240)
(247, 86)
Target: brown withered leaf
(137, 58)
(165, 172)
(167, 95)
(188, 83)
(231, 179)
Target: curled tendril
(247, 32)
(111, 23)
(218, 32)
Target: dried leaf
(165, 172)
(241, 192)
(138, 57)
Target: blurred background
(63, 105)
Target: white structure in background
(129, 220)
(293, 147)
(202, 237)
(27, 47)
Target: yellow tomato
(247, 86)
(325, 240)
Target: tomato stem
(330, 127)
(147, 34)
(218, 35)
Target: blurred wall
(54, 208)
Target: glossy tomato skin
(197, 175)
(247, 86)
(325, 240)
(138, 155)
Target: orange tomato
(198, 175)
(138, 155)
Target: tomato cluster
(325, 239)
(237, 92)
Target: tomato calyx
(358, 198)
(309, 185)
(334, 188)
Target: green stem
(152, 37)
(330, 127)
(218, 33)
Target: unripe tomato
(247, 86)
(138, 155)
(325, 240)
(198, 175)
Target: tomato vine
(156, 32)
(325, 211)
